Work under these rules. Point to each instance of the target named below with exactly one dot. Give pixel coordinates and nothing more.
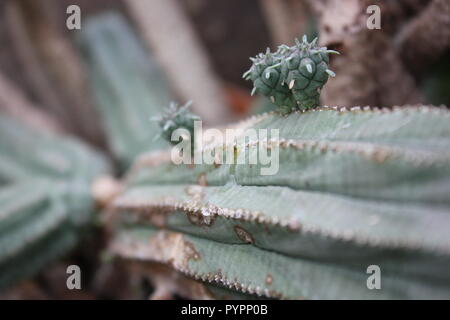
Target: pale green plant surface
(369, 154)
(45, 198)
(26, 152)
(247, 269)
(355, 187)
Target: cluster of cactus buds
(176, 117)
(291, 77)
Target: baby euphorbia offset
(176, 117)
(291, 77)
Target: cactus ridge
(37, 255)
(291, 223)
(42, 195)
(342, 199)
(337, 143)
(203, 209)
(34, 224)
(272, 275)
(53, 157)
(291, 77)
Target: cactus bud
(176, 117)
(291, 77)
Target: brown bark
(287, 19)
(394, 14)
(14, 103)
(169, 283)
(34, 73)
(369, 69)
(424, 39)
(170, 34)
(61, 67)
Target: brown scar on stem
(190, 166)
(202, 180)
(199, 219)
(269, 279)
(243, 235)
(191, 253)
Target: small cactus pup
(176, 117)
(291, 77)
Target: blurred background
(142, 54)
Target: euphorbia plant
(356, 187)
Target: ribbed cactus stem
(45, 197)
(356, 186)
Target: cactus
(292, 76)
(45, 198)
(36, 228)
(340, 150)
(46, 179)
(355, 187)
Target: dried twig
(394, 14)
(63, 69)
(169, 283)
(424, 39)
(33, 70)
(169, 33)
(286, 19)
(369, 67)
(14, 103)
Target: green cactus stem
(244, 268)
(45, 197)
(291, 77)
(355, 187)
